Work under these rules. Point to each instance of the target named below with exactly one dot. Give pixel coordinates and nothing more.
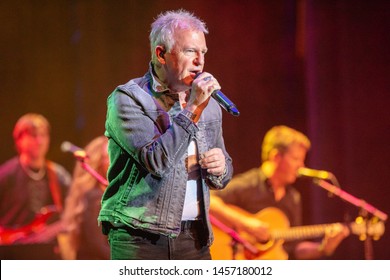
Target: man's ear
(160, 54)
(274, 155)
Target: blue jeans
(135, 244)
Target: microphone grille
(66, 146)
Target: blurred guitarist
(283, 152)
(32, 188)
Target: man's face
(290, 162)
(35, 143)
(185, 60)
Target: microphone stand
(236, 238)
(365, 210)
(92, 171)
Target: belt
(190, 224)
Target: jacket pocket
(130, 182)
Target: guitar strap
(54, 186)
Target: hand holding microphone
(222, 100)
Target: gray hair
(165, 25)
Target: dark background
(321, 67)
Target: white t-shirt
(191, 203)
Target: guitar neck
(46, 234)
(305, 232)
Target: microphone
(77, 152)
(225, 102)
(222, 100)
(320, 174)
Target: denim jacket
(147, 174)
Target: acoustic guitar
(224, 249)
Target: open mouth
(194, 74)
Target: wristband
(189, 114)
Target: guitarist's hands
(332, 239)
(256, 228)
